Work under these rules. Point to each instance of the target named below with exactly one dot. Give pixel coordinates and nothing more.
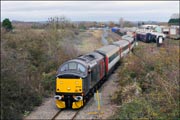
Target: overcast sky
(89, 10)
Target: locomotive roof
(88, 60)
(108, 50)
(78, 61)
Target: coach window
(113, 57)
(72, 66)
(81, 68)
(125, 47)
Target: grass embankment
(88, 41)
(29, 61)
(149, 83)
(113, 37)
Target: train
(78, 79)
(149, 36)
(144, 35)
(119, 31)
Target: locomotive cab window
(72, 66)
(81, 68)
(64, 68)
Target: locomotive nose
(68, 88)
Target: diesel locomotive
(79, 78)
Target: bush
(7, 24)
(29, 60)
(16, 97)
(48, 83)
(134, 110)
(148, 84)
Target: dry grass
(29, 60)
(89, 41)
(148, 84)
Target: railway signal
(99, 103)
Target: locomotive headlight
(58, 97)
(78, 98)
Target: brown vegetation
(29, 60)
(88, 41)
(149, 83)
(113, 37)
(30, 57)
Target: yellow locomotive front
(69, 85)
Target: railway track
(66, 114)
(56, 115)
(75, 115)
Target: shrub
(7, 24)
(16, 97)
(155, 76)
(29, 60)
(48, 83)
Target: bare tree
(121, 22)
(111, 24)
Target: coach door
(102, 69)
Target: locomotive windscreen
(72, 66)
